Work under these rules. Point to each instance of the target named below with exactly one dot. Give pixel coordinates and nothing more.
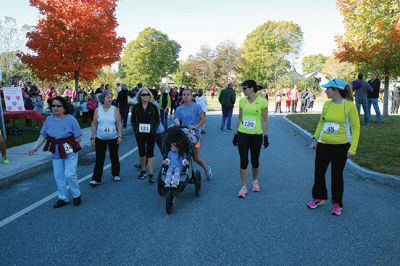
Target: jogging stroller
(188, 175)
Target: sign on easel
(13, 99)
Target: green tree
(184, 74)
(226, 63)
(372, 36)
(311, 63)
(267, 51)
(149, 58)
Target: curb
(361, 172)
(45, 165)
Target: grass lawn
(28, 134)
(379, 146)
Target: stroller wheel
(197, 183)
(160, 184)
(169, 202)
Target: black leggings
(101, 148)
(145, 144)
(248, 142)
(336, 155)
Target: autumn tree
(311, 63)
(73, 39)
(149, 58)
(268, 50)
(372, 37)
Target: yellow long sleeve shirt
(339, 124)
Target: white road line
(51, 196)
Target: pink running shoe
(315, 203)
(255, 186)
(242, 192)
(336, 209)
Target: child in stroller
(176, 160)
(177, 171)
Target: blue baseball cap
(335, 83)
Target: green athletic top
(339, 124)
(252, 114)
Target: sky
(193, 23)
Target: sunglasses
(144, 94)
(58, 106)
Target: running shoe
(94, 183)
(5, 160)
(142, 175)
(315, 203)
(209, 174)
(117, 178)
(242, 192)
(255, 186)
(336, 209)
(151, 178)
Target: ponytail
(347, 93)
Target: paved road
(125, 223)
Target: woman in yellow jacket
(335, 140)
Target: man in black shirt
(373, 96)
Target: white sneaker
(117, 178)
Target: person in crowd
(294, 97)
(251, 133)
(202, 100)
(85, 110)
(67, 92)
(39, 106)
(145, 120)
(212, 91)
(51, 93)
(33, 90)
(310, 101)
(362, 89)
(303, 100)
(63, 134)
(3, 150)
(287, 100)
(118, 86)
(106, 132)
(165, 104)
(71, 107)
(373, 96)
(335, 139)
(174, 98)
(135, 90)
(176, 160)
(107, 88)
(227, 99)
(122, 101)
(278, 102)
(29, 105)
(100, 89)
(91, 105)
(395, 98)
(191, 115)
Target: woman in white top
(202, 100)
(106, 131)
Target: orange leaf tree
(73, 39)
(372, 37)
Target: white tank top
(106, 124)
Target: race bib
(249, 123)
(67, 148)
(144, 128)
(330, 128)
(107, 129)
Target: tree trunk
(76, 78)
(386, 95)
